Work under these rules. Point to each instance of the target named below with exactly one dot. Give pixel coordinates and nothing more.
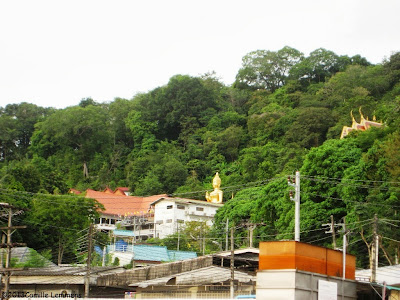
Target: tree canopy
(283, 113)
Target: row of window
(180, 206)
(169, 221)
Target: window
(159, 221)
(170, 206)
(199, 208)
(169, 221)
(180, 206)
(180, 221)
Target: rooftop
(122, 205)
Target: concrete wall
(168, 217)
(299, 285)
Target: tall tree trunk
(60, 252)
(85, 170)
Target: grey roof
(388, 274)
(203, 276)
(23, 255)
(67, 271)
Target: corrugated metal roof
(66, 271)
(388, 274)
(120, 232)
(23, 254)
(203, 276)
(181, 255)
(150, 253)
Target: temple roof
(364, 124)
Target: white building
(170, 213)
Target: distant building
(197, 278)
(143, 255)
(61, 282)
(364, 124)
(130, 212)
(172, 213)
(154, 216)
(122, 191)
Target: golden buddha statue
(216, 195)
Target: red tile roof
(121, 205)
(108, 190)
(121, 190)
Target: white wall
(170, 214)
(299, 285)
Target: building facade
(171, 214)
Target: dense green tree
(310, 127)
(190, 236)
(55, 221)
(17, 122)
(319, 65)
(156, 172)
(263, 69)
(392, 68)
(81, 132)
(170, 106)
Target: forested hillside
(284, 112)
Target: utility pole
(227, 235)
(232, 288)
(177, 229)
(374, 249)
(384, 290)
(331, 226)
(333, 233)
(9, 231)
(345, 232)
(251, 230)
(88, 262)
(296, 199)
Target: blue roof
(181, 255)
(150, 253)
(120, 232)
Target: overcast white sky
(55, 52)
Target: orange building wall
(305, 257)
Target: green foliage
(284, 113)
(191, 236)
(116, 262)
(34, 260)
(263, 69)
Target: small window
(112, 221)
(159, 221)
(180, 206)
(169, 221)
(170, 206)
(180, 221)
(199, 208)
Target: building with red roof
(122, 191)
(131, 212)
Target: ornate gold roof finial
(352, 117)
(362, 116)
